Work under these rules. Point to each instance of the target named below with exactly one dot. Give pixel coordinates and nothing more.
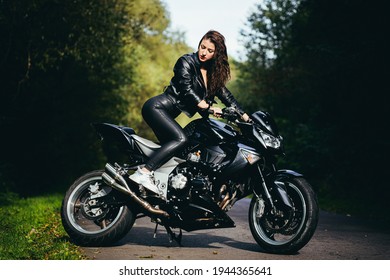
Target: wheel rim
(86, 219)
(282, 230)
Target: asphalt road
(337, 237)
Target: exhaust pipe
(119, 183)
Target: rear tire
(93, 226)
(289, 230)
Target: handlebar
(229, 113)
(223, 115)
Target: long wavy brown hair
(218, 69)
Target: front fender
(278, 180)
(285, 173)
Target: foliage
(311, 64)
(65, 65)
(30, 229)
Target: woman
(198, 78)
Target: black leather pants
(160, 112)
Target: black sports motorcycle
(225, 161)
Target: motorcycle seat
(147, 146)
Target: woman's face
(206, 50)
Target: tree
(325, 88)
(64, 65)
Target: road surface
(337, 237)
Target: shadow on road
(198, 239)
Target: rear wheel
(88, 216)
(284, 229)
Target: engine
(187, 181)
(188, 178)
(184, 181)
(179, 181)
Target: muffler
(112, 178)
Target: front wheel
(88, 215)
(285, 229)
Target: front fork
(265, 189)
(279, 193)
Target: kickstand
(155, 231)
(172, 236)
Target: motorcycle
(225, 160)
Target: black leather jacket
(187, 87)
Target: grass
(31, 229)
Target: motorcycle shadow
(142, 234)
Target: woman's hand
(217, 112)
(245, 117)
(203, 105)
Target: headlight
(271, 141)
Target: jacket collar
(195, 57)
(197, 64)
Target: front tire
(285, 230)
(88, 225)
